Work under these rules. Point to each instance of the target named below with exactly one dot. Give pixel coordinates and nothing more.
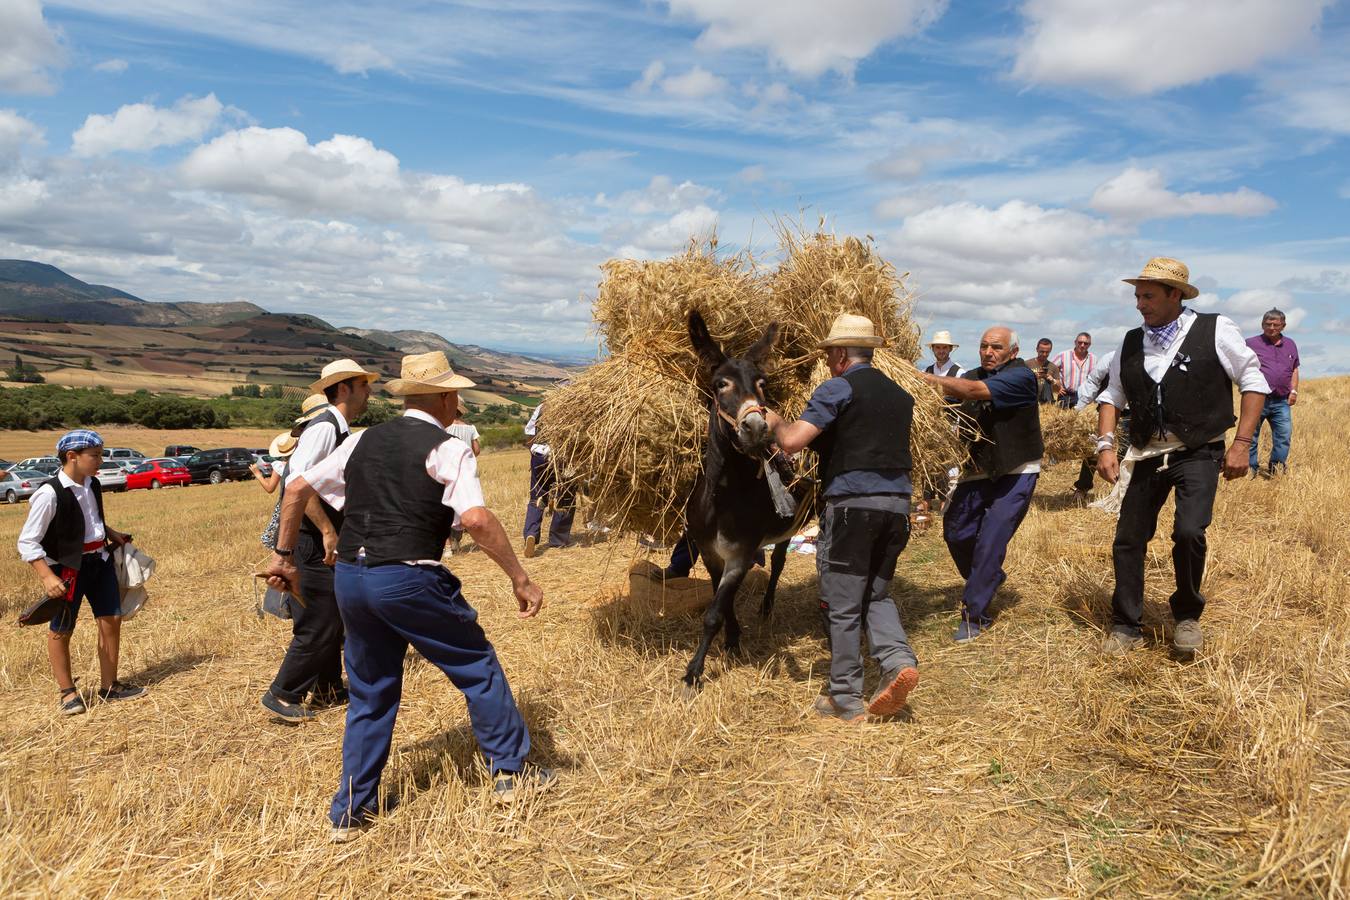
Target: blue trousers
(541, 483)
(978, 526)
(1276, 412)
(386, 608)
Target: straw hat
(1171, 272)
(340, 370)
(852, 331)
(463, 410)
(944, 337)
(313, 405)
(283, 445)
(427, 373)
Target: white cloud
(809, 37)
(1247, 307)
(751, 175)
(1016, 232)
(1137, 195)
(29, 48)
(1313, 93)
(650, 76)
(661, 195)
(358, 59)
(1153, 45)
(16, 132)
(671, 235)
(112, 66)
(143, 126)
(695, 84)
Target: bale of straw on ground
(1069, 433)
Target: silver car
(112, 476)
(19, 484)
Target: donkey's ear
(703, 342)
(759, 351)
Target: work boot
(1119, 643)
(1187, 636)
(507, 787)
(530, 543)
(893, 691)
(826, 708)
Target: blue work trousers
(979, 524)
(1276, 412)
(541, 485)
(386, 608)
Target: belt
(93, 546)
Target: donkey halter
(748, 409)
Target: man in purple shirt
(1279, 363)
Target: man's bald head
(997, 346)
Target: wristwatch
(279, 552)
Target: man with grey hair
(1279, 363)
(1005, 463)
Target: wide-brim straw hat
(313, 405)
(427, 373)
(282, 446)
(1171, 272)
(943, 337)
(852, 331)
(340, 370)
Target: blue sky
(465, 166)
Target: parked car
(120, 453)
(157, 473)
(112, 477)
(47, 465)
(19, 485)
(215, 466)
(183, 450)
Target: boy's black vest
(1008, 438)
(872, 431)
(64, 540)
(394, 507)
(334, 516)
(1194, 401)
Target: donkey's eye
(723, 385)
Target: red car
(158, 473)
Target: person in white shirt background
(542, 484)
(64, 539)
(1175, 373)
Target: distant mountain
(39, 292)
(467, 356)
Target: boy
(64, 540)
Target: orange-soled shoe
(826, 708)
(890, 697)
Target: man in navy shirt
(858, 422)
(1005, 462)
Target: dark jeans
(1194, 475)
(541, 485)
(386, 609)
(978, 526)
(1085, 473)
(313, 661)
(860, 542)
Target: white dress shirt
(532, 428)
(316, 443)
(42, 510)
(950, 370)
(1239, 363)
(450, 463)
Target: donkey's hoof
(690, 690)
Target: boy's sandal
(74, 705)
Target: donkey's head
(737, 385)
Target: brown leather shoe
(1119, 643)
(530, 544)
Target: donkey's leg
(728, 584)
(776, 562)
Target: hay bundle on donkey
(629, 432)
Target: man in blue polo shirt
(1005, 462)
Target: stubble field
(1029, 765)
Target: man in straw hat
(403, 485)
(942, 346)
(1176, 374)
(313, 661)
(858, 421)
(995, 491)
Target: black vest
(64, 539)
(1008, 438)
(871, 432)
(334, 515)
(1194, 401)
(394, 507)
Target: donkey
(731, 512)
